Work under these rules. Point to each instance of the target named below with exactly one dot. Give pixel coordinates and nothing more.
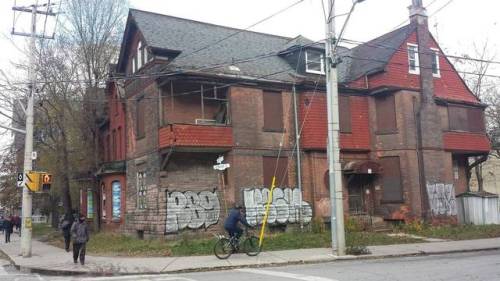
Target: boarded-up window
(391, 181)
(386, 114)
(345, 114)
(475, 120)
(468, 119)
(140, 118)
(270, 165)
(273, 111)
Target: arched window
(116, 191)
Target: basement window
(413, 63)
(315, 62)
(435, 63)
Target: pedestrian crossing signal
(46, 182)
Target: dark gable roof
(373, 56)
(187, 36)
(243, 48)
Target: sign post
(221, 167)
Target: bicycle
(225, 247)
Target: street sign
(221, 167)
(20, 179)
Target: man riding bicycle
(236, 215)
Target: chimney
(418, 14)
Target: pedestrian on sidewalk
(80, 235)
(9, 228)
(65, 226)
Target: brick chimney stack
(418, 14)
(432, 159)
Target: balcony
(200, 137)
(466, 142)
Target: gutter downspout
(297, 147)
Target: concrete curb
(58, 272)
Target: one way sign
(20, 179)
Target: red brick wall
(116, 114)
(314, 131)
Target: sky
(456, 24)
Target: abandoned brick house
(184, 93)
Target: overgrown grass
(42, 229)
(112, 244)
(458, 232)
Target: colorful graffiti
(191, 210)
(285, 206)
(442, 199)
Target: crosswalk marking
(285, 275)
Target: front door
(359, 188)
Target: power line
(240, 30)
(399, 49)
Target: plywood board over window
(270, 165)
(345, 114)
(386, 114)
(467, 119)
(273, 111)
(391, 180)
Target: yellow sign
(33, 181)
(27, 223)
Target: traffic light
(38, 181)
(46, 181)
(33, 181)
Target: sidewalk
(52, 260)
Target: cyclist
(236, 215)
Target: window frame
(415, 71)
(384, 199)
(118, 217)
(139, 55)
(322, 63)
(435, 55)
(141, 203)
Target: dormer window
(314, 62)
(435, 63)
(413, 65)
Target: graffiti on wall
(285, 206)
(442, 199)
(191, 210)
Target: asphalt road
(465, 266)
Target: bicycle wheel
(223, 248)
(251, 246)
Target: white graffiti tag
(285, 206)
(191, 210)
(442, 199)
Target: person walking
(80, 235)
(8, 228)
(65, 226)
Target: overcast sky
(457, 24)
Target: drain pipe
(297, 148)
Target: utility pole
(333, 149)
(26, 225)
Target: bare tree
(486, 90)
